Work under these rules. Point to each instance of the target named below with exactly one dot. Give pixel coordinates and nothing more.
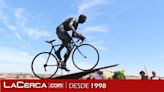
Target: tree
(119, 76)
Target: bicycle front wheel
(44, 65)
(85, 57)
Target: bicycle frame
(52, 48)
(72, 43)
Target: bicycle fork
(81, 53)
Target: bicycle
(50, 63)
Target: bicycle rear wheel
(44, 65)
(85, 57)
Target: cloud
(20, 16)
(18, 36)
(32, 32)
(23, 23)
(7, 23)
(100, 29)
(100, 45)
(35, 32)
(14, 60)
(13, 55)
(11, 27)
(87, 5)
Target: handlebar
(79, 40)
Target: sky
(125, 32)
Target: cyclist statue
(70, 24)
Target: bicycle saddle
(51, 41)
